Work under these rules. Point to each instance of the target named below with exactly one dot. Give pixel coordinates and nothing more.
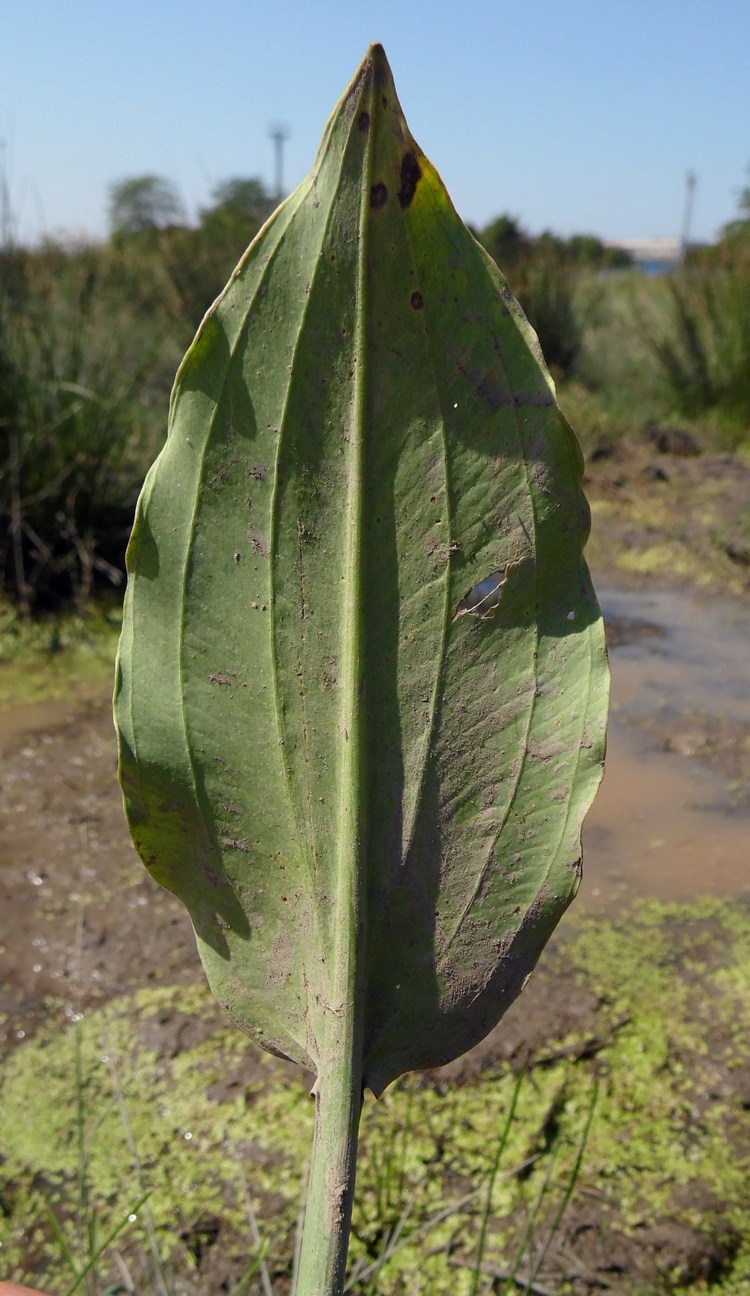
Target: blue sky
(574, 115)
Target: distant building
(654, 256)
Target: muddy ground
(84, 927)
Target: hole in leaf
(483, 598)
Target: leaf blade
(370, 802)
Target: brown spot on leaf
(364, 121)
(378, 195)
(257, 544)
(258, 473)
(417, 301)
(218, 677)
(411, 174)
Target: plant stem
(325, 1237)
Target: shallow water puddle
(663, 824)
(687, 652)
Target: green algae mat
(653, 1011)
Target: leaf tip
(375, 64)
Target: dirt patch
(669, 1255)
(666, 519)
(83, 922)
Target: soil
(670, 521)
(64, 945)
(661, 522)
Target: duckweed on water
(217, 1118)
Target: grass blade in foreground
(362, 681)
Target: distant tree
(240, 206)
(505, 241)
(147, 202)
(588, 250)
(551, 249)
(241, 196)
(735, 235)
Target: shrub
(547, 296)
(542, 273)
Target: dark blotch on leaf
(378, 195)
(364, 121)
(417, 301)
(410, 177)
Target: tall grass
(704, 352)
(547, 293)
(81, 412)
(90, 340)
(89, 343)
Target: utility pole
(691, 181)
(6, 215)
(279, 135)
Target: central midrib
(347, 995)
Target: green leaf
(362, 681)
